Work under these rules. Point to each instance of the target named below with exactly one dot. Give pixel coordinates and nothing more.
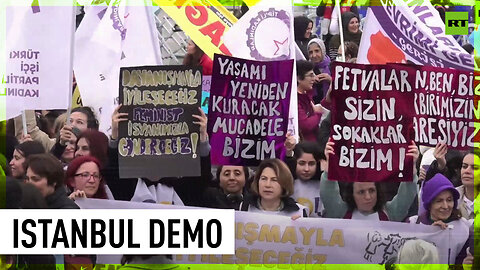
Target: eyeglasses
(87, 175)
(311, 75)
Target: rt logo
(456, 23)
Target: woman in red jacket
(309, 114)
(196, 57)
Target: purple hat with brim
(435, 186)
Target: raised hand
(202, 122)
(440, 224)
(66, 135)
(26, 138)
(77, 194)
(423, 175)
(323, 77)
(117, 117)
(290, 142)
(414, 153)
(329, 151)
(439, 153)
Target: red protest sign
(372, 123)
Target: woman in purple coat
(321, 61)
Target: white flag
(38, 57)
(120, 35)
(402, 33)
(265, 33)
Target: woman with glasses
(84, 178)
(309, 114)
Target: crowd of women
(65, 157)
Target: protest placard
(159, 139)
(252, 38)
(379, 109)
(445, 108)
(372, 123)
(248, 110)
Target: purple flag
(248, 110)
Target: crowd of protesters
(60, 161)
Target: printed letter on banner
(204, 22)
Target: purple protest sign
(248, 110)
(445, 108)
(372, 123)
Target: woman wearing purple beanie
(440, 198)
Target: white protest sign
(271, 239)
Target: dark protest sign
(445, 108)
(372, 123)
(159, 139)
(248, 110)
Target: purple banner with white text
(248, 110)
(379, 109)
(445, 108)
